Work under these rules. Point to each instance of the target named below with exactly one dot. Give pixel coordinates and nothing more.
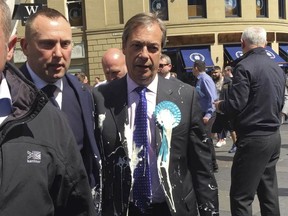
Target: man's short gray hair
(166, 57)
(143, 19)
(255, 35)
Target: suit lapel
(119, 109)
(164, 91)
(25, 72)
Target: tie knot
(49, 90)
(140, 90)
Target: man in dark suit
(48, 45)
(163, 165)
(165, 66)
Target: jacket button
(42, 99)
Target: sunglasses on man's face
(162, 65)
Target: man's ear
(24, 44)
(242, 44)
(11, 47)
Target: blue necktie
(49, 91)
(5, 104)
(142, 176)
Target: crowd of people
(140, 143)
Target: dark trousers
(208, 129)
(156, 209)
(254, 171)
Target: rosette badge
(168, 116)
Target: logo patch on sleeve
(33, 156)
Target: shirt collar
(201, 74)
(4, 89)
(41, 83)
(5, 95)
(152, 87)
(168, 75)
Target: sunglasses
(162, 65)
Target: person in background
(222, 124)
(228, 72)
(284, 111)
(174, 74)
(96, 81)
(165, 66)
(48, 45)
(86, 80)
(81, 76)
(255, 101)
(218, 126)
(151, 168)
(42, 172)
(113, 64)
(207, 94)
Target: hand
(283, 117)
(205, 120)
(216, 104)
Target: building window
(160, 7)
(233, 8)
(282, 9)
(196, 8)
(73, 69)
(43, 2)
(75, 12)
(262, 8)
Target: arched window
(197, 8)
(232, 8)
(160, 7)
(75, 12)
(282, 9)
(262, 8)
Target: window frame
(164, 14)
(234, 12)
(43, 2)
(74, 23)
(282, 9)
(196, 6)
(263, 12)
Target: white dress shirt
(5, 100)
(133, 100)
(39, 83)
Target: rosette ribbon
(168, 116)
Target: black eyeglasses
(162, 65)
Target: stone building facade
(207, 29)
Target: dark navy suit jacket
(90, 152)
(189, 184)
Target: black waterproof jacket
(257, 94)
(41, 170)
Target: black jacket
(41, 172)
(257, 94)
(227, 83)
